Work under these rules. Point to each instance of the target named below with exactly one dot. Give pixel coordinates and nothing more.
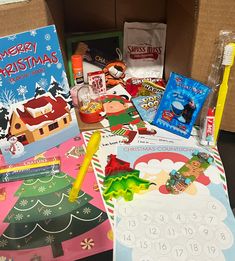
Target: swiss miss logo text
(144, 51)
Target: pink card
(37, 222)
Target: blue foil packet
(180, 105)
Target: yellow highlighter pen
(91, 149)
(228, 60)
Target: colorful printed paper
(35, 105)
(37, 219)
(108, 146)
(168, 227)
(196, 224)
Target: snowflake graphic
(87, 244)
(23, 202)
(43, 82)
(43, 74)
(50, 239)
(48, 48)
(18, 216)
(48, 65)
(3, 243)
(7, 97)
(47, 212)
(22, 90)
(59, 65)
(54, 171)
(11, 37)
(86, 211)
(47, 37)
(33, 32)
(41, 189)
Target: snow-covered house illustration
(39, 117)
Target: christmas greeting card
(35, 105)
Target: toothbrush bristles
(229, 53)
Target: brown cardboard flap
(89, 15)
(213, 16)
(181, 30)
(140, 11)
(20, 17)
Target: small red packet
(137, 85)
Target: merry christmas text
(26, 62)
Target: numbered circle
(162, 246)
(143, 244)
(211, 219)
(131, 223)
(211, 250)
(224, 237)
(194, 248)
(171, 232)
(188, 231)
(127, 238)
(205, 232)
(153, 231)
(126, 210)
(179, 252)
(215, 206)
(195, 216)
(178, 217)
(161, 218)
(146, 218)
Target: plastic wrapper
(209, 120)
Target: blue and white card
(36, 111)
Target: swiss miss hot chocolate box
(36, 111)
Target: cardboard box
(23, 16)
(192, 28)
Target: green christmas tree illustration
(43, 215)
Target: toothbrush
(228, 60)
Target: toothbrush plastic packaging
(212, 113)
